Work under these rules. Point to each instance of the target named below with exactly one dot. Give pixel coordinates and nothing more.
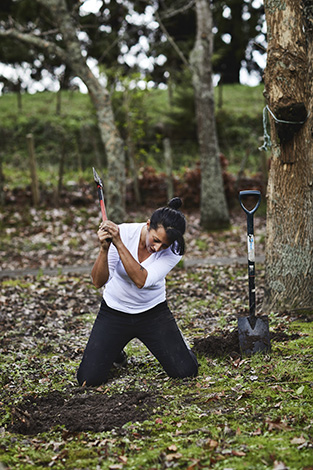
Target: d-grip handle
(250, 192)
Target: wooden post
(1, 181)
(61, 169)
(33, 170)
(168, 167)
(58, 106)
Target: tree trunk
(131, 147)
(116, 181)
(289, 92)
(214, 211)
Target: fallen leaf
(280, 426)
(193, 465)
(298, 440)
(300, 390)
(172, 448)
(175, 456)
(211, 443)
(238, 453)
(279, 466)
(123, 459)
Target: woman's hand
(104, 237)
(108, 232)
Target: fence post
(168, 167)
(33, 169)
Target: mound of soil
(218, 346)
(84, 412)
(228, 343)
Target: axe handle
(102, 205)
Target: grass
(239, 413)
(74, 132)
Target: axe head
(97, 178)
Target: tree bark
(214, 211)
(289, 92)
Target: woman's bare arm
(137, 273)
(100, 271)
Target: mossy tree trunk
(289, 93)
(214, 210)
(115, 184)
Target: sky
(93, 6)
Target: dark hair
(174, 224)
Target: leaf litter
(46, 321)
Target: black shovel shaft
(251, 255)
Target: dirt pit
(86, 411)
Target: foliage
(115, 31)
(239, 122)
(238, 34)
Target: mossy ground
(239, 413)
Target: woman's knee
(185, 369)
(90, 378)
(191, 371)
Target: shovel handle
(250, 192)
(251, 261)
(250, 213)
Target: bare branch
(35, 41)
(171, 40)
(177, 11)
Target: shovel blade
(254, 339)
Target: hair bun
(175, 203)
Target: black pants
(156, 328)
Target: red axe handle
(102, 205)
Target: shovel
(253, 331)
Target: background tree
(26, 15)
(63, 42)
(289, 93)
(214, 212)
(237, 27)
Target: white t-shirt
(120, 292)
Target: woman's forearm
(100, 270)
(137, 273)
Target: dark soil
(227, 344)
(218, 346)
(86, 411)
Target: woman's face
(156, 240)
